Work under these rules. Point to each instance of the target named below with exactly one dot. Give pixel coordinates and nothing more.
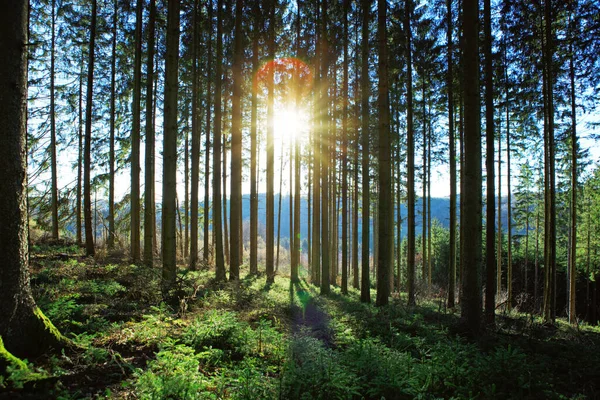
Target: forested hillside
(299, 199)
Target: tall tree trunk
(195, 178)
(509, 283)
(325, 149)
(87, 157)
(135, 137)
(295, 242)
(574, 148)
(236, 147)
(216, 203)
(490, 242)
(365, 86)
(253, 154)
(410, 149)
(346, 6)
(452, 146)
(79, 154)
(386, 202)
(550, 231)
(499, 228)
(24, 330)
(270, 151)
(225, 223)
(279, 208)
(471, 280)
(205, 250)
(186, 184)
(113, 111)
(169, 192)
(53, 161)
(424, 188)
(149, 196)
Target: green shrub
(314, 372)
(172, 375)
(221, 330)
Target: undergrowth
(247, 340)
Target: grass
(246, 340)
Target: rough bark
(149, 201)
(24, 331)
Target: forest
(299, 199)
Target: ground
(248, 340)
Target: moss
(7, 359)
(56, 337)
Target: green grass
(246, 340)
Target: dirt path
(311, 320)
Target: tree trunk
(111, 162)
(490, 248)
(452, 146)
(365, 284)
(325, 150)
(135, 137)
(471, 280)
(79, 155)
(253, 153)
(169, 193)
(386, 200)
(225, 224)
(149, 201)
(295, 242)
(236, 147)
(195, 178)
(87, 158)
(270, 151)
(345, 155)
(216, 203)
(509, 283)
(24, 330)
(574, 148)
(205, 250)
(53, 162)
(410, 148)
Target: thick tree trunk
(80, 123)
(345, 155)
(325, 150)
(574, 148)
(471, 280)
(24, 330)
(169, 208)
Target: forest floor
(247, 340)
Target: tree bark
(452, 148)
(270, 151)
(149, 201)
(471, 280)
(24, 330)
(169, 207)
(87, 193)
(236, 147)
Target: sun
(291, 124)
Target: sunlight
(290, 124)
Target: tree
(270, 150)
(205, 251)
(410, 155)
(54, 167)
(386, 200)
(217, 217)
(253, 151)
(345, 155)
(365, 285)
(87, 149)
(236, 147)
(149, 201)
(135, 137)
(325, 150)
(24, 330)
(471, 279)
(490, 282)
(169, 208)
(113, 112)
(195, 161)
(452, 149)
